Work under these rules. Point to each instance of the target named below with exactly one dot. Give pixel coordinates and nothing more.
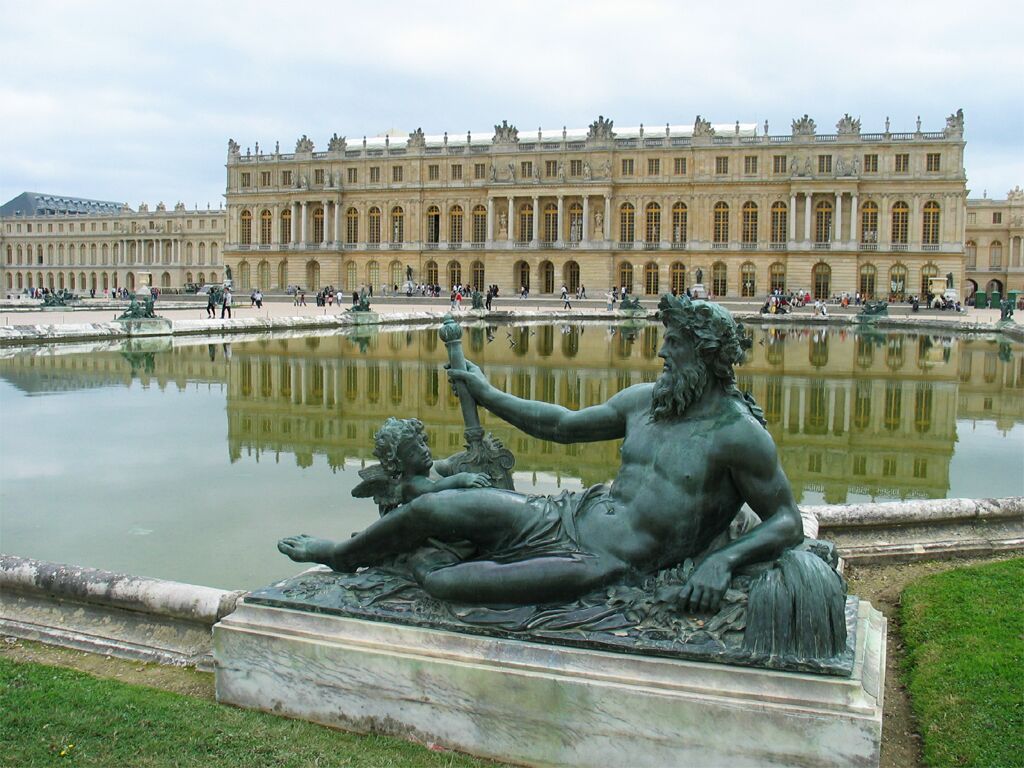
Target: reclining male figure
(694, 450)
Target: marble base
(539, 704)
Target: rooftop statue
(702, 127)
(336, 143)
(304, 144)
(848, 126)
(663, 559)
(601, 129)
(505, 133)
(954, 124)
(803, 126)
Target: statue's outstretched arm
(548, 421)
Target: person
(489, 300)
(225, 302)
(211, 307)
(565, 299)
(302, 298)
(694, 450)
(259, 299)
(252, 298)
(583, 291)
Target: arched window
(213, 253)
(652, 224)
(821, 276)
(266, 225)
(312, 275)
(521, 275)
(995, 254)
(263, 275)
(626, 276)
(777, 277)
(550, 223)
(454, 273)
(928, 271)
(243, 276)
(576, 223)
(165, 279)
(286, 225)
(679, 223)
(748, 232)
(897, 282)
(373, 225)
(351, 226)
(477, 268)
(780, 222)
(395, 276)
(188, 254)
(930, 224)
(869, 223)
(351, 277)
(455, 224)
(823, 222)
(373, 275)
(900, 223)
(479, 225)
(202, 254)
(719, 279)
(971, 254)
(627, 223)
(282, 275)
(651, 278)
(10, 254)
(677, 277)
(245, 228)
(92, 254)
(571, 275)
(525, 223)
(748, 280)
(547, 277)
(431, 272)
(397, 224)
(868, 278)
(319, 233)
(433, 224)
(720, 234)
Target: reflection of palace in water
(865, 413)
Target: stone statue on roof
(416, 140)
(848, 126)
(233, 147)
(803, 126)
(336, 143)
(304, 144)
(601, 129)
(702, 127)
(505, 134)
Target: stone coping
(62, 332)
(916, 512)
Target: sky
(135, 102)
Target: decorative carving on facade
(143, 208)
(179, 206)
(304, 144)
(848, 126)
(955, 124)
(702, 127)
(335, 144)
(233, 147)
(803, 126)
(416, 139)
(161, 206)
(505, 134)
(601, 130)
(1015, 194)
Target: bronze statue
(631, 303)
(363, 305)
(1006, 310)
(695, 450)
(139, 311)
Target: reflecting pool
(188, 461)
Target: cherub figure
(404, 469)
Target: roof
(40, 204)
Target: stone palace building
(649, 208)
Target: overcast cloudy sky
(135, 102)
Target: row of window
(972, 217)
(995, 255)
(97, 282)
(15, 227)
(652, 223)
(57, 256)
(578, 168)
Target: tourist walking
(211, 308)
(225, 303)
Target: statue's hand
(706, 586)
(473, 480)
(474, 379)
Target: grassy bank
(50, 716)
(964, 635)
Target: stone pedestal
(363, 318)
(540, 704)
(698, 291)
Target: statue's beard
(676, 390)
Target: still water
(188, 462)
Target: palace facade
(994, 244)
(649, 208)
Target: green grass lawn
(964, 634)
(56, 716)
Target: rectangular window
(627, 167)
(104, 226)
(286, 178)
(91, 226)
(188, 224)
(264, 178)
(550, 168)
(921, 468)
(778, 163)
(860, 465)
(575, 167)
(374, 174)
(870, 163)
(246, 180)
(396, 173)
(750, 165)
(526, 169)
(997, 218)
(457, 172)
(972, 218)
(889, 466)
(933, 162)
(353, 175)
(824, 163)
(721, 165)
(653, 166)
(318, 176)
(679, 166)
(479, 170)
(433, 172)
(903, 162)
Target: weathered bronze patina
(139, 310)
(696, 548)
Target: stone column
(535, 240)
(792, 216)
(585, 234)
(294, 238)
(561, 220)
(511, 217)
(490, 220)
(838, 237)
(885, 225)
(607, 233)
(914, 229)
(160, 250)
(302, 235)
(327, 204)
(337, 222)
(807, 219)
(854, 237)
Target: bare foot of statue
(309, 549)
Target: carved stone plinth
(155, 326)
(363, 318)
(538, 704)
